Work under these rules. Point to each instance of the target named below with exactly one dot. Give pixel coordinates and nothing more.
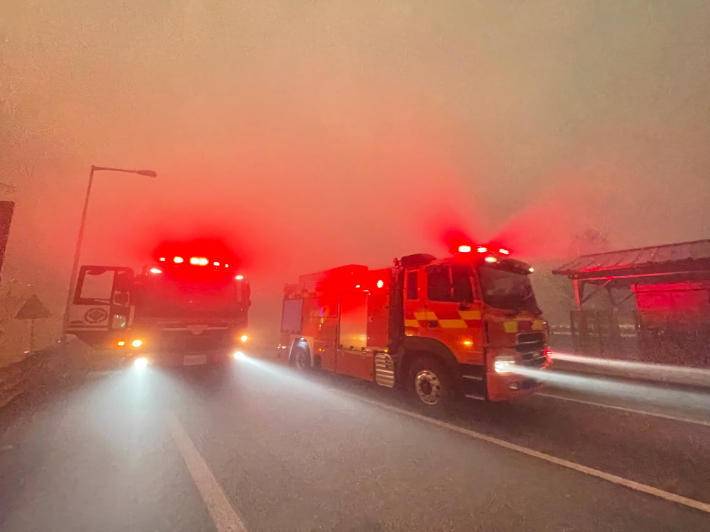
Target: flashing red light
(178, 260)
(162, 259)
(155, 270)
(239, 277)
(504, 251)
(380, 283)
(464, 249)
(482, 249)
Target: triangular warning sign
(33, 310)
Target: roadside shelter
(671, 287)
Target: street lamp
(77, 252)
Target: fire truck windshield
(507, 289)
(164, 296)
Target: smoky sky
(317, 133)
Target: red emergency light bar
(465, 248)
(195, 261)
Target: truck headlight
(504, 364)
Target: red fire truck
(441, 328)
(182, 310)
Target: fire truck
(465, 325)
(182, 310)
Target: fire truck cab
(180, 311)
(466, 325)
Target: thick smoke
(314, 134)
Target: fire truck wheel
(300, 359)
(430, 382)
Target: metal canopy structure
(686, 261)
(672, 259)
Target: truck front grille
(185, 341)
(530, 342)
(534, 360)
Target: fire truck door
(102, 300)
(453, 313)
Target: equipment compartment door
(353, 358)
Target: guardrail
(44, 369)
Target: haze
(320, 133)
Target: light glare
(140, 363)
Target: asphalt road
(261, 448)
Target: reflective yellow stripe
(510, 326)
(411, 323)
(470, 314)
(426, 315)
(453, 324)
(538, 325)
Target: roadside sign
(33, 309)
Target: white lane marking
(703, 507)
(632, 410)
(223, 515)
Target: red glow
(503, 251)
(465, 249)
(380, 283)
(178, 260)
(482, 249)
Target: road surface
(264, 449)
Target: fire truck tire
(430, 383)
(300, 359)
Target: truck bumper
(182, 359)
(510, 387)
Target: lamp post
(77, 252)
